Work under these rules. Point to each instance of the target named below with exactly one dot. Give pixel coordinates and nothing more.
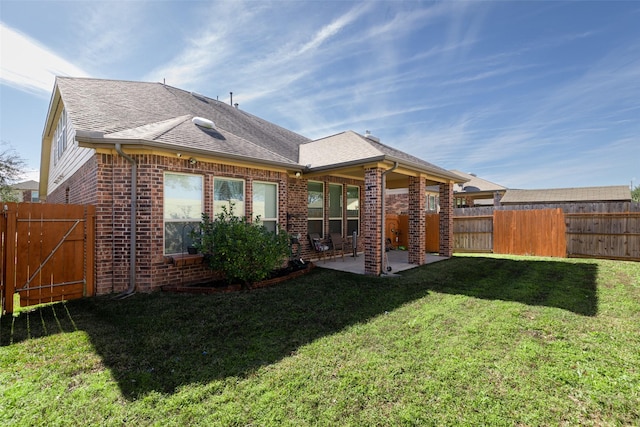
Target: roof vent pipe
(230, 98)
(134, 191)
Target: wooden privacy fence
(543, 232)
(539, 232)
(46, 253)
(604, 235)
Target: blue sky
(525, 94)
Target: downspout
(134, 190)
(382, 215)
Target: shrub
(245, 252)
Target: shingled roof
(349, 147)
(155, 112)
(158, 116)
(616, 193)
(476, 184)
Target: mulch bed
(219, 286)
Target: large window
(315, 207)
(227, 191)
(353, 209)
(183, 209)
(265, 204)
(335, 208)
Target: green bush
(245, 252)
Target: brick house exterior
(98, 132)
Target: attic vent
(368, 135)
(200, 97)
(203, 123)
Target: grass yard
(475, 340)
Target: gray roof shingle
(157, 112)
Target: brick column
(417, 220)
(446, 219)
(372, 224)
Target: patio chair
(337, 244)
(318, 245)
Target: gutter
(383, 242)
(93, 139)
(134, 192)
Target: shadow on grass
(560, 284)
(161, 342)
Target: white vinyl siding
(64, 163)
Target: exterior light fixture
(192, 161)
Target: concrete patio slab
(398, 261)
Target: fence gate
(47, 253)
(533, 232)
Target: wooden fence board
(473, 233)
(604, 235)
(48, 252)
(433, 232)
(537, 232)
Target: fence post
(10, 256)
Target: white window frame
(264, 219)
(353, 217)
(60, 137)
(341, 208)
(239, 205)
(189, 219)
(315, 219)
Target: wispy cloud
(107, 32)
(29, 66)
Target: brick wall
(417, 220)
(105, 181)
(446, 220)
(371, 227)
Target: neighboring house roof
(475, 184)
(26, 185)
(350, 148)
(617, 193)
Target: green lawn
(474, 340)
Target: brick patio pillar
(417, 220)
(372, 221)
(446, 219)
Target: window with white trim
(353, 209)
(60, 137)
(227, 191)
(315, 207)
(335, 208)
(183, 207)
(265, 204)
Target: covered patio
(380, 167)
(398, 261)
